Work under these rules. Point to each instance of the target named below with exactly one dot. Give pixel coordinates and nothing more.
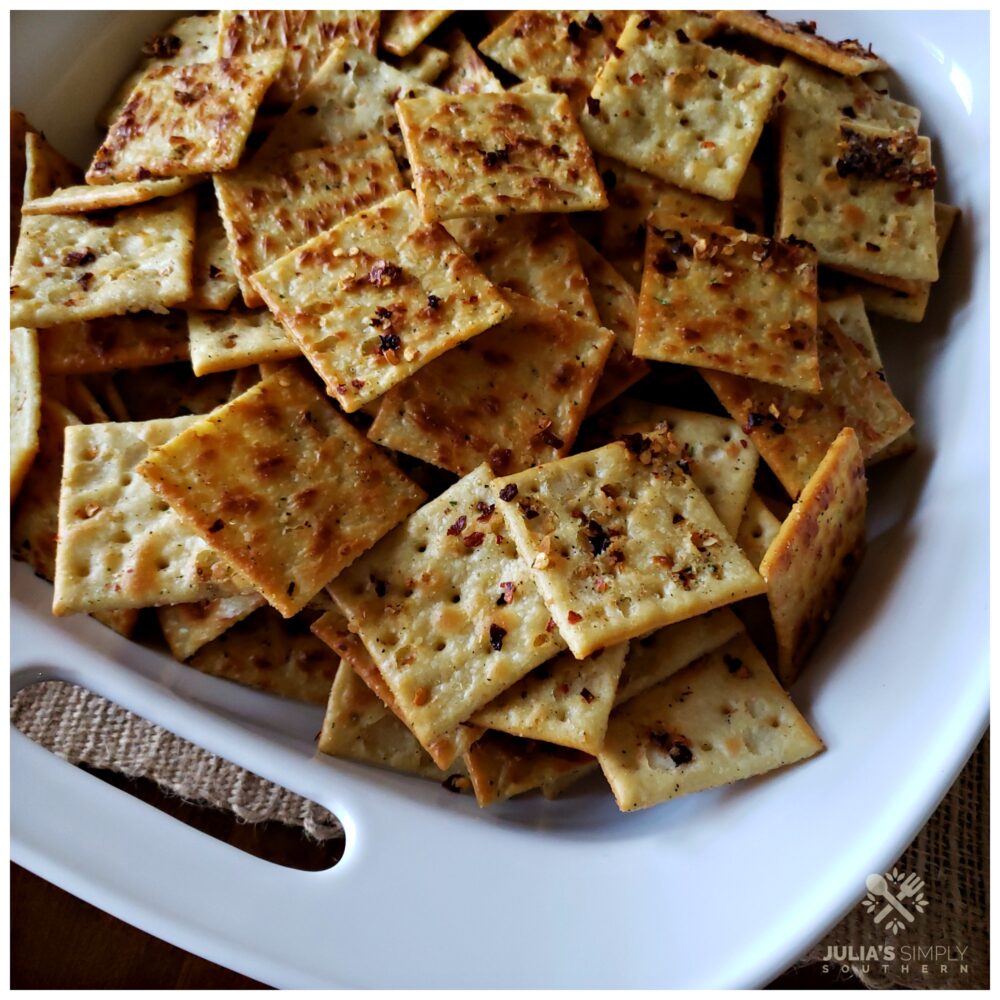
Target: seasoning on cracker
(235, 339)
(404, 30)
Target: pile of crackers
(504, 382)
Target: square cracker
(565, 701)
(304, 36)
(264, 651)
(377, 297)
(848, 56)
(793, 430)
(467, 73)
(72, 267)
(655, 657)
(488, 154)
(188, 627)
(447, 610)
(861, 194)
(620, 541)
(213, 268)
(513, 396)
(425, 63)
(25, 404)
(617, 310)
(46, 169)
(404, 30)
(717, 453)
(272, 207)
(716, 297)
(502, 766)
(352, 96)
(224, 341)
(282, 487)
(723, 719)
(678, 109)
(333, 629)
(758, 529)
(632, 197)
(183, 120)
(82, 198)
(111, 344)
(120, 546)
(816, 552)
(533, 255)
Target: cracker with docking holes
(860, 193)
(121, 546)
(533, 255)
(757, 529)
(848, 56)
(237, 338)
(25, 404)
(447, 610)
(513, 396)
(466, 73)
(188, 627)
(73, 267)
(377, 297)
(272, 208)
(183, 120)
(491, 154)
(816, 552)
(403, 30)
(717, 453)
(793, 430)
(678, 109)
(565, 701)
(139, 340)
(75, 199)
(213, 268)
(306, 38)
(723, 719)
(621, 541)
(720, 298)
(281, 486)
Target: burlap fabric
(950, 855)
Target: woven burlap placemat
(946, 944)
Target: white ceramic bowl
(725, 888)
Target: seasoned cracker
(532, 255)
(447, 610)
(425, 63)
(119, 545)
(860, 193)
(306, 38)
(25, 404)
(565, 701)
(848, 312)
(620, 541)
(82, 198)
(267, 652)
(467, 73)
(183, 120)
(758, 529)
(716, 452)
(404, 30)
(793, 430)
(848, 56)
(678, 109)
(71, 267)
(816, 552)
(632, 197)
(720, 298)
(46, 169)
(723, 719)
(377, 297)
(333, 629)
(282, 487)
(213, 268)
(488, 154)
(617, 310)
(513, 396)
(502, 766)
(661, 654)
(352, 96)
(188, 627)
(235, 339)
(273, 207)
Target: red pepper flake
(496, 637)
(636, 443)
(550, 625)
(474, 540)
(508, 492)
(573, 618)
(499, 459)
(77, 258)
(600, 585)
(85, 279)
(458, 527)
(610, 491)
(358, 383)
(433, 302)
(507, 596)
(587, 695)
(485, 510)
(383, 274)
(217, 525)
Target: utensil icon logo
(897, 898)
